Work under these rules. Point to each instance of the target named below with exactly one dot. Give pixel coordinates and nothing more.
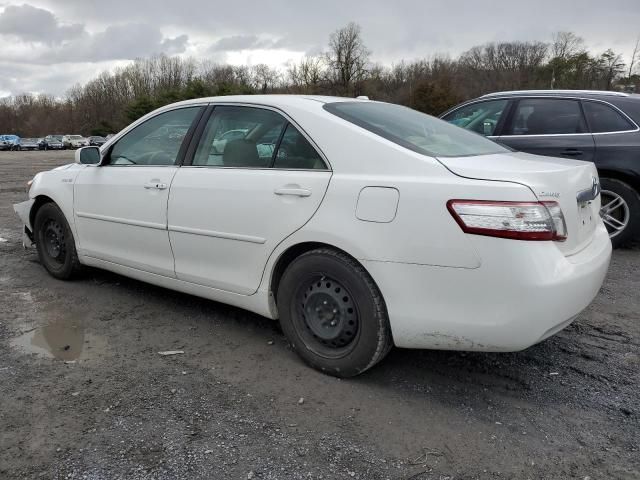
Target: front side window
(547, 116)
(156, 141)
(414, 130)
(480, 117)
(603, 118)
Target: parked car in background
(51, 142)
(28, 144)
(97, 141)
(357, 224)
(74, 141)
(596, 126)
(9, 142)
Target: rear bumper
(522, 293)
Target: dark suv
(596, 126)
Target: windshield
(75, 137)
(414, 130)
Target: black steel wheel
(333, 313)
(55, 243)
(329, 316)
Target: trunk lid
(550, 179)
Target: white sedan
(74, 141)
(358, 224)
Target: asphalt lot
(84, 393)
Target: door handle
(155, 186)
(298, 192)
(572, 152)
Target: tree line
(114, 99)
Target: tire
(622, 218)
(333, 313)
(55, 243)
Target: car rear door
(553, 127)
(120, 207)
(254, 179)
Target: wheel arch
(40, 200)
(632, 180)
(294, 251)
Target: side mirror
(88, 155)
(487, 128)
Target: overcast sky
(49, 45)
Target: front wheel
(333, 313)
(620, 211)
(54, 242)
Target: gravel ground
(85, 394)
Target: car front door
(553, 127)
(120, 206)
(254, 179)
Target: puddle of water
(62, 337)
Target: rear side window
(480, 117)
(547, 116)
(241, 137)
(414, 130)
(603, 118)
(249, 137)
(295, 151)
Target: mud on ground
(84, 393)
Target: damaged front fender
(23, 209)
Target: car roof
(561, 93)
(306, 102)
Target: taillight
(516, 220)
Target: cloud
(33, 24)
(173, 46)
(52, 79)
(125, 41)
(116, 42)
(62, 35)
(236, 43)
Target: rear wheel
(620, 211)
(54, 242)
(333, 313)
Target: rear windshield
(414, 130)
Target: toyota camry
(358, 224)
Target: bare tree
(306, 76)
(347, 58)
(634, 56)
(612, 66)
(265, 77)
(566, 45)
